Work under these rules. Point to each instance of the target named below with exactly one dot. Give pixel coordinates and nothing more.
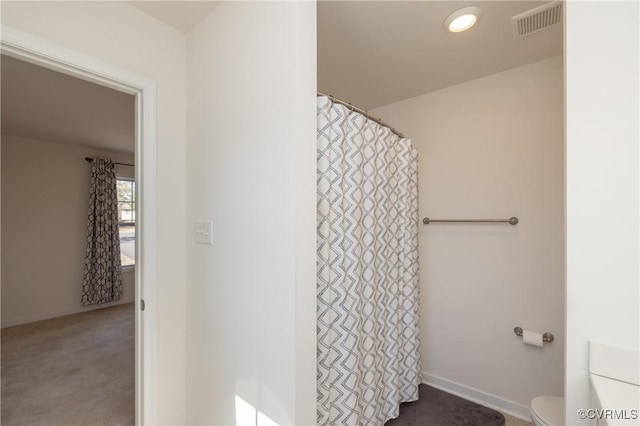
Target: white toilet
(547, 411)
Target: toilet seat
(548, 410)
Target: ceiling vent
(537, 19)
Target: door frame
(40, 52)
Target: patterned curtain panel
(102, 273)
(367, 269)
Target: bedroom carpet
(437, 408)
(73, 370)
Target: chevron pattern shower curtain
(367, 269)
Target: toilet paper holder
(546, 337)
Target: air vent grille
(537, 19)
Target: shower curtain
(367, 269)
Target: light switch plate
(204, 232)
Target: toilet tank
(614, 374)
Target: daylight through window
(127, 220)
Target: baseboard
(49, 315)
(479, 397)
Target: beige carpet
(73, 370)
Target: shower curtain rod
(89, 159)
(361, 111)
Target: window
(127, 220)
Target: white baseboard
(479, 397)
(49, 315)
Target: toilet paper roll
(532, 338)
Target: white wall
(251, 170)
(491, 148)
(44, 197)
(603, 98)
(121, 35)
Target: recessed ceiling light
(462, 19)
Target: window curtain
(367, 269)
(102, 281)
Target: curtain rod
(89, 159)
(361, 111)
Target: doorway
(484, 110)
(39, 52)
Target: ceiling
(373, 53)
(38, 103)
(181, 15)
(370, 53)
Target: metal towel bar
(512, 220)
